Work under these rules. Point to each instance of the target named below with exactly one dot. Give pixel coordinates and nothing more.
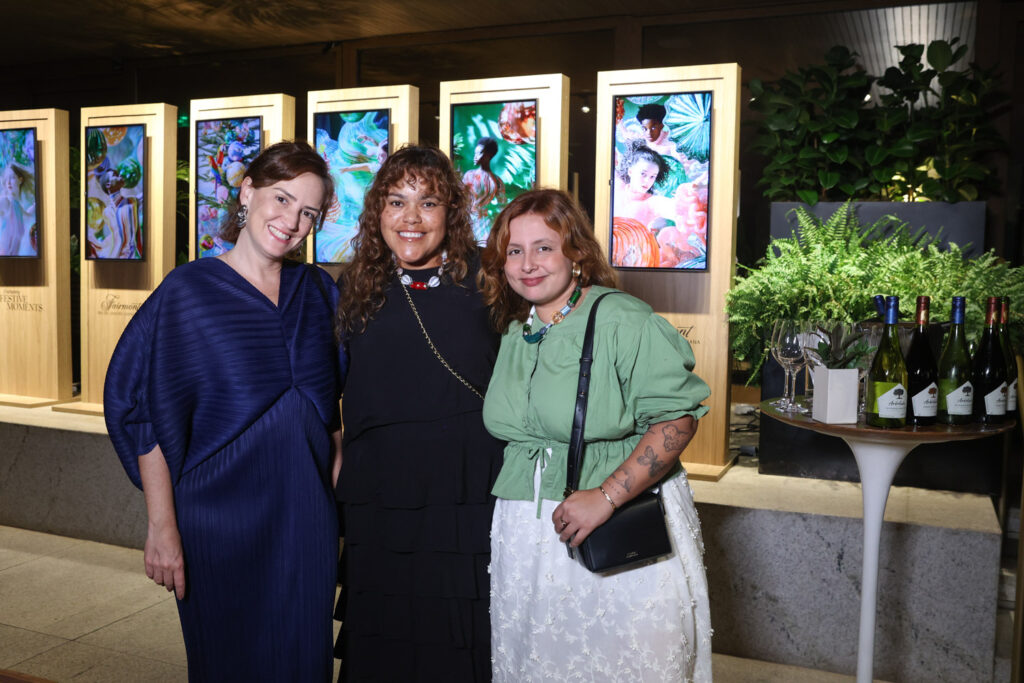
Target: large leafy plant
(811, 122)
(829, 269)
(927, 137)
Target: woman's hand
(165, 560)
(577, 516)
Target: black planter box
(962, 223)
(965, 466)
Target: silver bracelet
(609, 498)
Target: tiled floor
(73, 610)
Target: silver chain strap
(433, 348)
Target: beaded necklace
(434, 280)
(559, 316)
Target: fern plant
(829, 269)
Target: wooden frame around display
(35, 293)
(278, 117)
(403, 102)
(552, 127)
(693, 301)
(113, 290)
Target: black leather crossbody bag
(636, 531)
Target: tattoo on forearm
(623, 479)
(649, 459)
(675, 438)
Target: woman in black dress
(417, 464)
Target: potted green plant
(921, 145)
(838, 352)
(830, 269)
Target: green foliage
(841, 346)
(829, 270)
(181, 189)
(925, 140)
(810, 123)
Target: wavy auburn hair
(562, 214)
(373, 267)
(285, 160)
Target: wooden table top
(931, 434)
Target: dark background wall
(766, 39)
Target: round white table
(878, 453)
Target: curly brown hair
(285, 160)
(562, 214)
(372, 267)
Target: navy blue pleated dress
(241, 396)
(415, 485)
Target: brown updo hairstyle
(373, 266)
(562, 214)
(285, 160)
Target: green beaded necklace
(556, 318)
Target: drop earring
(242, 216)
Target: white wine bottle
(887, 380)
(956, 394)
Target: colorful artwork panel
(494, 149)
(224, 150)
(19, 194)
(354, 144)
(115, 181)
(660, 181)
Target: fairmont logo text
(13, 300)
(687, 332)
(111, 304)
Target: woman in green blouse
(551, 619)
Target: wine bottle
(880, 307)
(1011, 358)
(988, 369)
(956, 394)
(922, 372)
(887, 380)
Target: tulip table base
(878, 453)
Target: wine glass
(812, 334)
(873, 336)
(784, 402)
(790, 352)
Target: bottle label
(956, 400)
(891, 401)
(995, 401)
(1011, 396)
(926, 401)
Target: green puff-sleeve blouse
(642, 375)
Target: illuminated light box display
(115, 181)
(19, 193)
(224, 150)
(354, 144)
(660, 181)
(494, 149)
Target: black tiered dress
(415, 484)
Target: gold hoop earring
(577, 270)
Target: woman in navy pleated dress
(221, 400)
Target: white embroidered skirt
(552, 620)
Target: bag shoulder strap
(579, 418)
